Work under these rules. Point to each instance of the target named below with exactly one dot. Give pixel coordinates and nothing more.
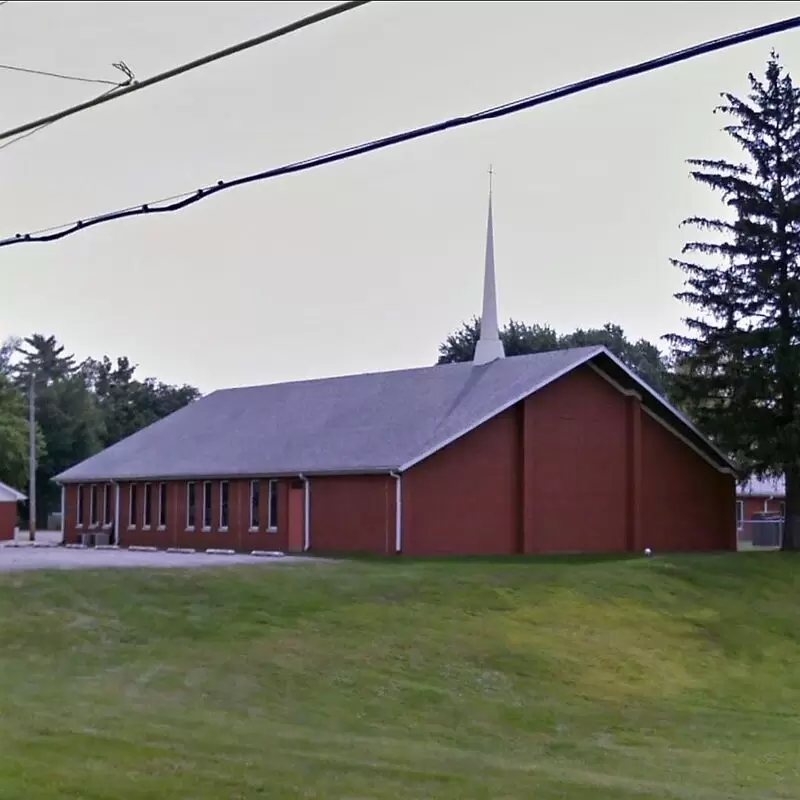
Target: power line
(180, 201)
(45, 73)
(277, 33)
(121, 66)
(25, 135)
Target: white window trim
(272, 524)
(191, 485)
(224, 528)
(93, 520)
(207, 492)
(79, 506)
(147, 506)
(253, 484)
(106, 495)
(162, 492)
(131, 494)
(739, 515)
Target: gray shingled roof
(372, 422)
(762, 487)
(9, 494)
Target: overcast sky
(367, 264)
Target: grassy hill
(571, 679)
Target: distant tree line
(81, 408)
(520, 338)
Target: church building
(558, 452)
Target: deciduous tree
(518, 339)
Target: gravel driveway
(16, 558)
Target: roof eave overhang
(225, 476)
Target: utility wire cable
(136, 86)
(181, 201)
(25, 135)
(121, 66)
(46, 74)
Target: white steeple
(489, 346)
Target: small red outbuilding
(8, 511)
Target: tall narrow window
(783, 509)
(133, 506)
(272, 511)
(207, 505)
(162, 505)
(223, 505)
(190, 505)
(255, 487)
(147, 516)
(739, 514)
(106, 505)
(79, 506)
(93, 506)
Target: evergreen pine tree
(738, 367)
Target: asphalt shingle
(356, 423)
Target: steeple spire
(489, 346)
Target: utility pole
(32, 459)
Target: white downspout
(117, 526)
(63, 513)
(306, 513)
(398, 513)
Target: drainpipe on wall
(398, 514)
(306, 513)
(63, 513)
(117, 526)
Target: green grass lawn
(575, 679)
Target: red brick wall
(353, 513)
(758, 505)
(175, 534)
(577, 467)
(576, 470)
(8, 520)
(687, 504)
(466, 497)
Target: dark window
(783, 509)
(255, 490)
(133, 507)
(106, 504)
(190, 504)
(79, 507)
(272, 517)
(207, 504)
(223, 504)
(148, 505)
(162, 505)
(92, 506)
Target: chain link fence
(760, 533)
